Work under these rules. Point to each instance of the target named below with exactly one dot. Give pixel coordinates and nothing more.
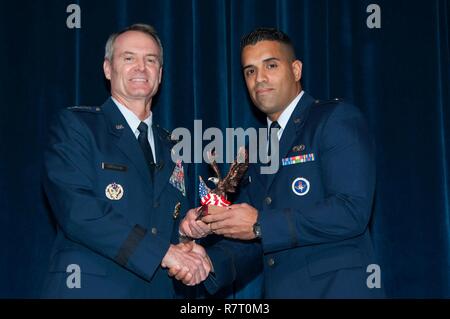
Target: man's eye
(272, 66)
(151, 60)
(128, 58)
(249, 72)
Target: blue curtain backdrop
(398, 75)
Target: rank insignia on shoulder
(81, 108)
(332, 101)
(114, 191)
(298, 159)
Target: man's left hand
(235, 222)
(193, 228)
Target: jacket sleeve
(84, 216)
(234, 261)
(348, 172)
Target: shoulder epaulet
(91, 109)
(332, 101)
(165, 134)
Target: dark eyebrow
(271, 59)
(265, 61)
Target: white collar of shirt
(133, 122)
(286, 114)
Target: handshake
(188, 261)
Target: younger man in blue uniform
(311, 217)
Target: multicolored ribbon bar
(297, 159)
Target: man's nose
(140, 65)
(261, 76)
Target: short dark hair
(144, 28)
(267, 34)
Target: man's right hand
(187, 264)
(193, 228)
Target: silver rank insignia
(114, 191)
(176, 210)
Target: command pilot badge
(114, 191)
(300, 186)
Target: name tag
(114, 167)
(297, 159)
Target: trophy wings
(231, 181)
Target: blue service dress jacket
(314, 212)
(113, 222)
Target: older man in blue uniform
(312, 216)
(115, 192)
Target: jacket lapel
(165, 165)
(126, 141)
(292, 131)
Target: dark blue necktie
(273, 126)
(145, 145)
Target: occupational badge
(114, 191)
(176, 210)
(300, 186)
(298, 148)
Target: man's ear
(160, 74)
(297, 69)
(107, 68)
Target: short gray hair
(140, 27)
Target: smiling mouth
(139, 80)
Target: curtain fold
(397, 75)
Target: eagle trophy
(218, 195)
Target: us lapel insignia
(176, 210)
(119, 127)
(114, 191)
(177, 178)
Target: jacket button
(271, 262)
(268, 200)
(155, 204)
(154, 230)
